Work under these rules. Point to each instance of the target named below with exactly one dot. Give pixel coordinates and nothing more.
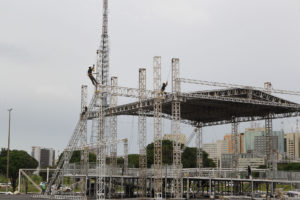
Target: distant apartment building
(292, 146)
(228, 145)
(245, 159)
(214, 151)
(252, 160)
(44, 156)
(181, 138)
(251, 133)
(211, 149)
(260, 144)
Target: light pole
(7, 165)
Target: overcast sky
(47, 45)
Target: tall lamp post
(7, 165)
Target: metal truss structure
(142, 135)
(73, 142)
(113, 133)
(198, 132)
(228, 85)
(146, 106)
(232, 105)
(269, 141)
(178, 189)
(125, 155)
(157, 107)
(235, 145)
(84, 153)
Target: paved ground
(16, 197)
(26, 197)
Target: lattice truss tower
(105, 99)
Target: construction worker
(249, 172)
(163, 88)
(90, 74)
(83, 112)
(44, 186)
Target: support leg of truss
(101, 155)
(269, 142)
(125, 156)
(176, 130)
(157, 129)
(83, 140)
(142, 135)
(235, 145)
(113, 135)
(198, 130)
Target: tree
(167, 152)
(288, 166)
(76, 157)
(189, 158)
(17, 160)
(133, 160)
(207, 162)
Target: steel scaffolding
(142, 135)
(198, 132)
(157, 128)
(84, 153)
(269, 142)
(235, 145)
(125, 156)
(178, 187)
(104, 105)
(113, 133)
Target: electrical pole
(8, 145)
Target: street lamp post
(7, 165)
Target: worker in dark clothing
(90, 74)
(163, 88)
(83, 112)
(249, 171)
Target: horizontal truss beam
(229, 85)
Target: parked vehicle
(293, 194)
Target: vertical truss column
(83, 138)
(176, 129)
(84, 153)
(269, 142)
(66, 165)
(103, 74)
(198, 131)
(101, 154)
(142, 135)
(157, 129)
(113, 133)
(235, 145)
(125, 155)
(113, 127)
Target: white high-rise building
(44, 156)
(292, 146)
(214, 151)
